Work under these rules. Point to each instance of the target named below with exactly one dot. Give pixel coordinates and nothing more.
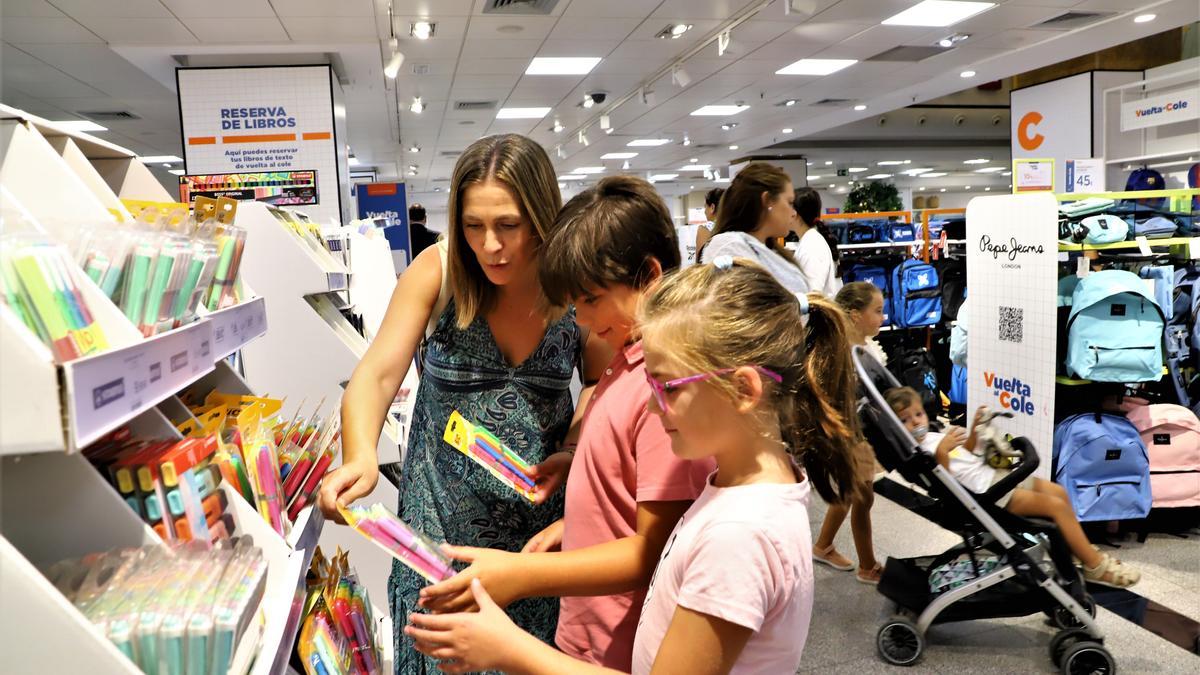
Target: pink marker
(422, 566)
(407, 540)
(269, 483)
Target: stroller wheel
(1087, 658)
(899, 642)
(1063, 618)
(1063, 640)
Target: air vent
(420, 69)
(110, 115)
(706, 146)
(440, 180)
(450, 153)
(1072, 20)
(474, 105)
(832, 101)
(542, 7)
(909, 54)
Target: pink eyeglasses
(660, 389)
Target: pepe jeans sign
(1012, 260)
(1178, 105)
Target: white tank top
(687, 244)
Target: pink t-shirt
(624, 457)
(742, 554)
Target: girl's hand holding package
(499, 570)
(550, 475)
(469, 642)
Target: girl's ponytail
(823, 427)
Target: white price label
(1144, 246)
(1085, 175)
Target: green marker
(219, 281)
(189, 287)
(135, 283)
(97, 266)
(52, 314)
(162, 275)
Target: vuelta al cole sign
(1166, 108)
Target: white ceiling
(63, 57)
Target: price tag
(1085, 175)
(1194, 248)
(1082, 267)
(1144, 246)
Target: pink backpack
(1172, 437)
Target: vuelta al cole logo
(1012, 394)
(1170, 106)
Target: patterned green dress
(449, 497)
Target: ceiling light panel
(816, 66)
(936, 13)
(648, 142)
(522, 113)
(619, 155)
(589, 169)
(562, 65)
(719, 110)
(695, 167)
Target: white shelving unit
(56, 505)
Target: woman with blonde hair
(498, 353)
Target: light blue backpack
(1105, 229)
(1101, 462)
(1115, 329)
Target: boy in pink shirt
(626, 489)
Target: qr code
(1012, 324)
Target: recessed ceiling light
(588, 101)
(664, 176)
(890, 162)
(522, 113)
(831, 186)
(733, 147)
(562, 65)
(914, 172)
(158, 159)
(966, 187)
(857, 169)
(816, 66)
(976, 161)
(619, 155)
(673, 30)
(719, 110)
(967, 73)
(943, 189)
(922, 188)
(937, 13)
(572, 176)
(951, 40)
(686, 141)
(790, 102)
(176, 172)
(562, 185)
(932, 174)
(353, 161)
(510, 29)
(877, 176)
(814, 178)
(695, 167)
(989, 169)
(1144, 18)
(558, 126)
(987, 189)
(693, 161)
(648, 142)
(422, 30)
(860, 107)
(414, 148)
(589, 169)
(417, 106)
(79, 125)
(728, 126)
(787, 130)
(1006, 173)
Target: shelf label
(108, 389)
(337, 281)
(235, 326)
(1085, 175)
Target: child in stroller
(955, 451)
(1030, 568)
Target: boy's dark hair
(900, 398)
(713, 197)
(605, 236)
(416, 213)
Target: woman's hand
(501, 571)
(549, 539)
(468, 642)
(550, 475)
(345, 484)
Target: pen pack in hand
(487, 451)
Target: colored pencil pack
(489, 452)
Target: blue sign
(388, 200)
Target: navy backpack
(1101, 462)
(876, 275)
(916, 295)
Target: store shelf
(106, 390)
(1157, 155)
(235, 326)
(881, 244)
(1126, 245)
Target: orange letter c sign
(1031, 119)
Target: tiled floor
(846, 613)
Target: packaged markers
(486, 450)
(404, 543)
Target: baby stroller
(1029, 568)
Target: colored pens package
(489, 452)
(40, 283)
(404, 543)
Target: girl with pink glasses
(760, 380)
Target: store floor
(846, 613)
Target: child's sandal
(1112, 573)
(825, 557)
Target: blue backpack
(1102, 463)
(916, 295)
(876, 275)
(859, 233)
(1115, 329)
(958, 385)
(893, 231)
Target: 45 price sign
(1085, 175)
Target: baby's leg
(1034, 503)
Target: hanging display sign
(388, 200)
(1033, 175)
(1085, 175)
(1179, 105)
(263, 120)
(1012, 259)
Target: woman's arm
(376, 380)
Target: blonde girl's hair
(523, 166)
(708, 319)
(857, 295)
